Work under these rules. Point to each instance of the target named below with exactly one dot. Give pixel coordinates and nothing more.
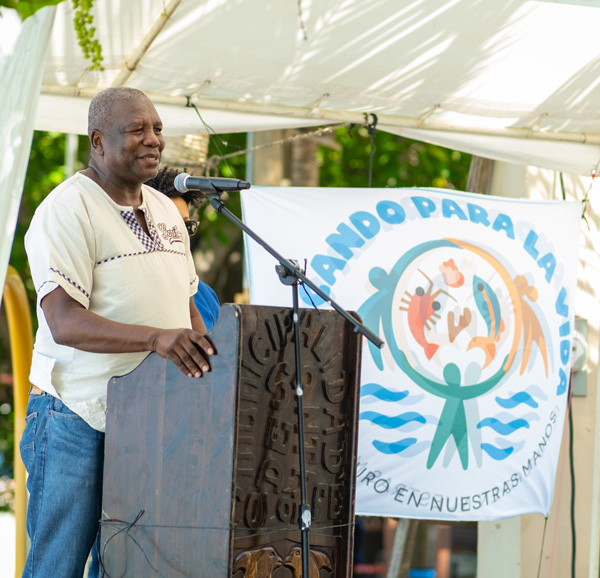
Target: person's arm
(73, 325)
(196, 317)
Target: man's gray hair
(100, 105)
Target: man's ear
(96, 140)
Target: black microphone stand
(290, 274)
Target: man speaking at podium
(115, 280)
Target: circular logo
(455, 321)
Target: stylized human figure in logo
(532, 330)
(453, 420)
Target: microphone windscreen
(179, 182)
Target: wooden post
(480, 175)
(404, 545)
(269, 163)
(304, 168)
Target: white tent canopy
(517, 80)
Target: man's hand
(73, 325)
(186, 348)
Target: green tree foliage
(218, 240)
(397, 162)
(213, 228)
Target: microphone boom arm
(292, 270)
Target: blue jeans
(64, 458)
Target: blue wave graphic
(415, 450)
(432, 419)
(536, 391)
(394, 447)
(414, 399)
(501, 427)
(507, 416)
(504, 444)
(517, 399)
(392, 422)
(382, 393)
(495, 453)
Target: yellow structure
(21, 345)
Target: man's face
(132, 141)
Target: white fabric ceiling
(479, 75)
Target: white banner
(461, 412)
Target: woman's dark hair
(164, 182)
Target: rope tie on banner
(372, 131)
(542, 547)
(585, 200)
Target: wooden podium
(201, 476)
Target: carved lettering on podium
(267, 450)
(267, 479)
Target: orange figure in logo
(532, 330)
(422, 309)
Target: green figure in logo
(453, 420)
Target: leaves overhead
(86, 33)
(82, 23)
(27, 8)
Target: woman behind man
(205, 298)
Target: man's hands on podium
(73, 325)
(186, 348)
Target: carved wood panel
(267, 480)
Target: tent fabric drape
(22, 50)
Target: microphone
(184, 183)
